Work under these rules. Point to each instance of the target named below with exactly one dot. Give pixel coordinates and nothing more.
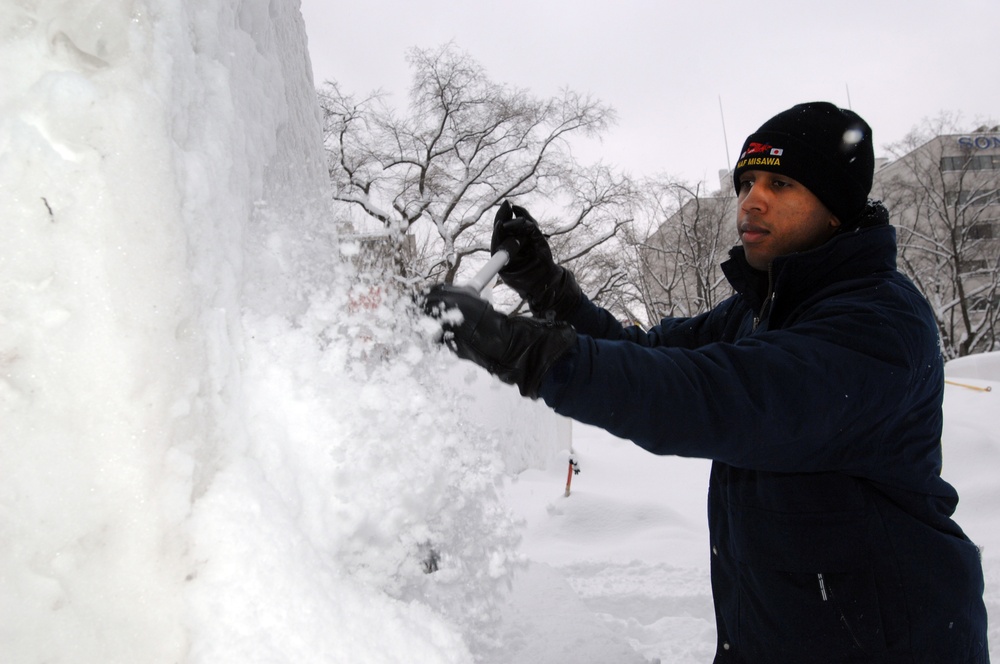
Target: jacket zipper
(767, 300)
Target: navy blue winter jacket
(817, 391)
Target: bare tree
(944, 197)
(678, 260)
(465, 144)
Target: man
(816, 389)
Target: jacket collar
(856, 253)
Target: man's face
(777, 215)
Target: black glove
(517, 350)
(551, 291)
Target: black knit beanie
(827, 149)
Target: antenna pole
(725, 138)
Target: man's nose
(754, 200)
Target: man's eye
(745, 184)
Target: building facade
(944, 199)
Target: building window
(974, 265)
(978, 162)
(976, 197)
(984, 230)
(984, 302)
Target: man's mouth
(751, 233)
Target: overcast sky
(664, 66)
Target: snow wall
(206, 453)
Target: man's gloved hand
(517, 350)
(551, 291)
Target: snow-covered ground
(618, 571)
(216, 446)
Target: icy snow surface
(210, 452)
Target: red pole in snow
(574, 469)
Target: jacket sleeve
(825, 393)
(692, 332)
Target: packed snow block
(982, 366)
(97, 374)
(970, 447)
(162, 177)
(529, 434)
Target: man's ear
(834, 221)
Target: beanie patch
(760, 154)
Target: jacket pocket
(807, 590)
